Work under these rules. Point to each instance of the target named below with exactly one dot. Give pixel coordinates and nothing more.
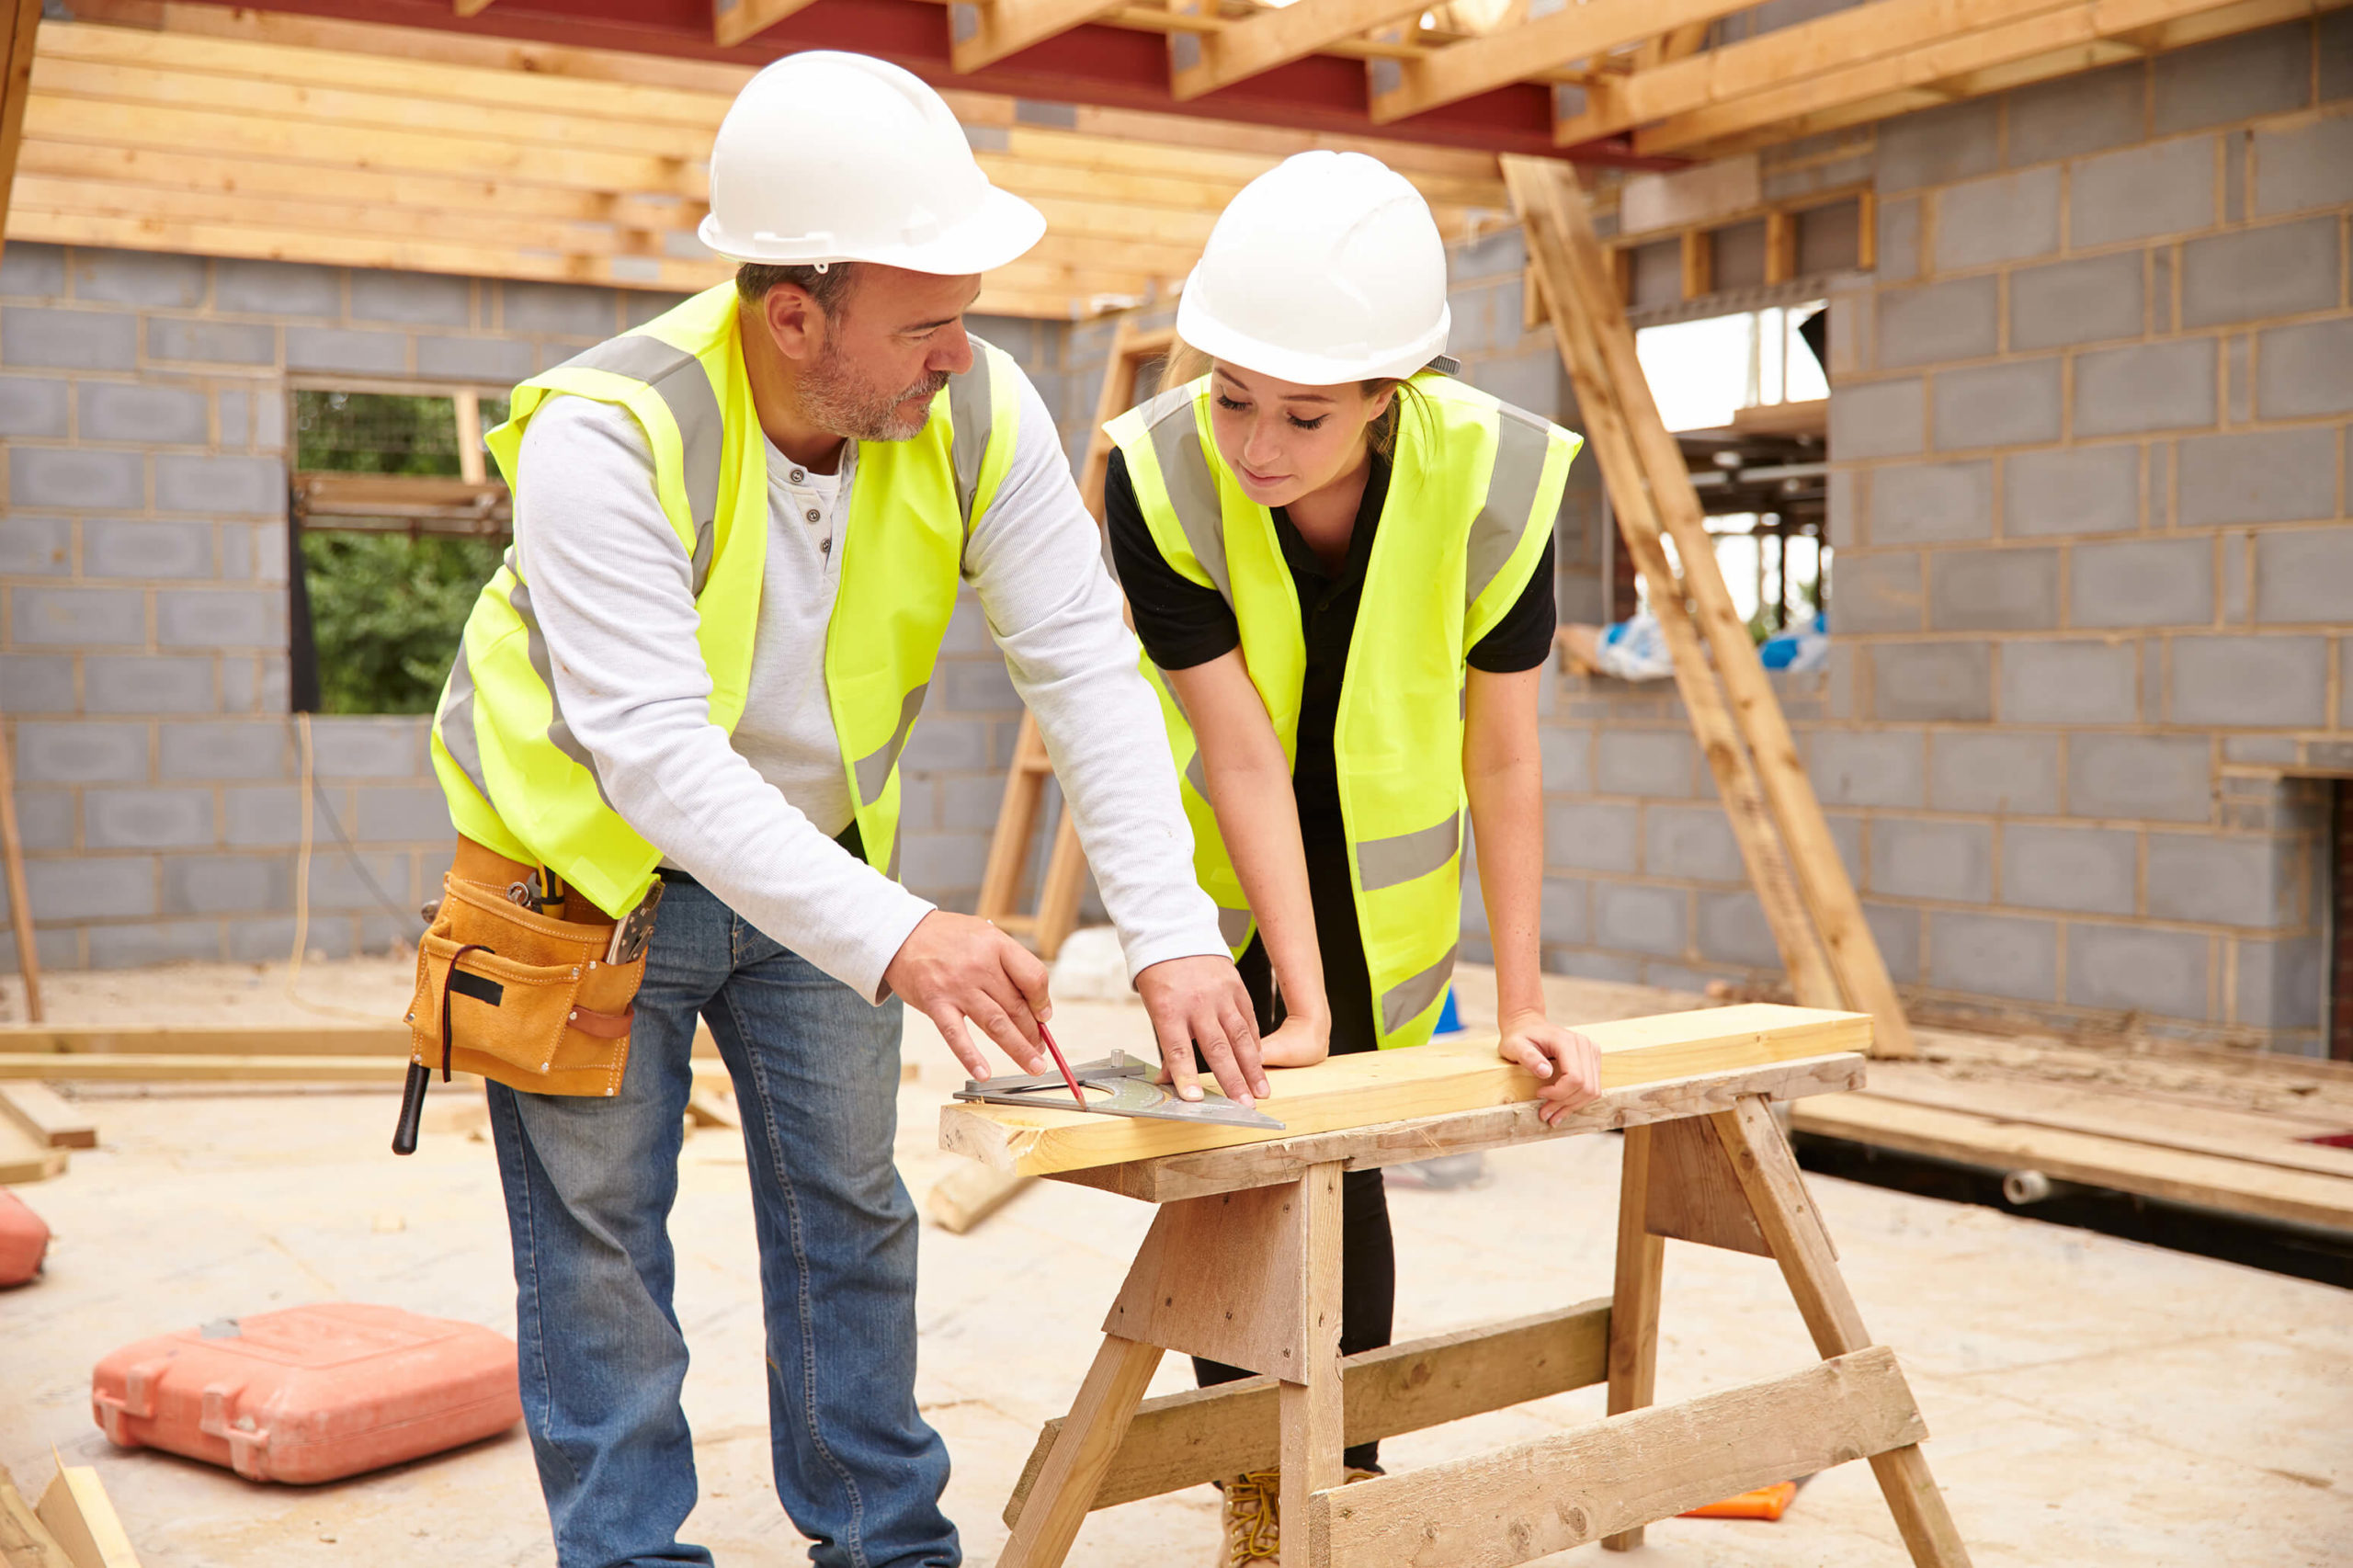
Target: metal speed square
(1127, 1088)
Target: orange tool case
(24, 1241)
(311, 1393)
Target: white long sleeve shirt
(753, 817)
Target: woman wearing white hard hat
(1339, 560)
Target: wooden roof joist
(1846, 73)
(1573, 32)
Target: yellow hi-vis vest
(516, 779)
(1472, 492)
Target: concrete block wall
(2093, 581)
(144, 405)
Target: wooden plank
(1512, 55)
(112, 121)
(25, 1157)
(1932, 62)
(1699, 272)
(1173, 1177)
(1633, 1308)
(732, 21)
(1563, 1491)
(135, 1068)
(23, 22)
(12, 846)
(1204, 1435)
(489, 73)
(25, 1541)
(1374, 1086)
(1082, 1452)
(969, 1194)
(1008, 26)
(54, 1122)
(78, 1511)
(2133, 1116)
(2196, 27)
(323, 1038)
(278, 102)
(1780, 247)
(1540, 199)
(1271, 38)
(1784, 55)
(2179, 1176)
(1694, 1194)
(449, 196)
(1821, 874)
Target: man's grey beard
(835, 400)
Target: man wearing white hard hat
(1339, 559)
(740, 531)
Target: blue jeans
(589, 1186)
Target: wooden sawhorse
(1243, 1264)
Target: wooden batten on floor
(78, 1511)
(2200, 1178)
(54, 1122)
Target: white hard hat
(1326, 268)
(825, 156)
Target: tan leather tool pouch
(521, 998)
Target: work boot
(1251, 1519)
(1253, 1515)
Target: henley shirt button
(797, 475)
(812, 513)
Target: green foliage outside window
(387, 608)
(381, 432)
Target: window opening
(398, 520)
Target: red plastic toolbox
(24, 1240)
(310, 1393)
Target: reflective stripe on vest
(516, 778)
(1473, 489)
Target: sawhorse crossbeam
(1242, 1265)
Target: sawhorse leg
(1633, 1306)
(1074, 1467)
(1249, 1277)
(1768, 1175)
(1313, 1419)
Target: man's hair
(829, 286)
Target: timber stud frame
(1243, 1264)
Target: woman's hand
(1305, 1040)
(1567, 1064)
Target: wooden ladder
(1817, 922)
(1025, 784)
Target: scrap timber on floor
(2232, 1132)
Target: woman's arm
(1503, 773)
(1249, 786)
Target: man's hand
(1200, 1002)
(1568, 1063)
(953, 967)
